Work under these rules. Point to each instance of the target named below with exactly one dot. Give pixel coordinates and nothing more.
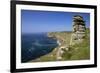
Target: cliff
(61, 37)
(63, 40)
(74, 45)
(65, 51)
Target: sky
(33, 21)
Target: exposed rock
(78, 29)
(65, 39)
(77, 36)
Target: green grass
(80, 51)
(63, 35)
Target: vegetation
(80, 51)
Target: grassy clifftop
(79, 51)
(64, 37)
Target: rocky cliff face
(76, 36)
(68, 48)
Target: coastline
(63, 39)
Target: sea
(35, 45)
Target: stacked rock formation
(77, 35)
(78, 29)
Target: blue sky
(49, 21)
